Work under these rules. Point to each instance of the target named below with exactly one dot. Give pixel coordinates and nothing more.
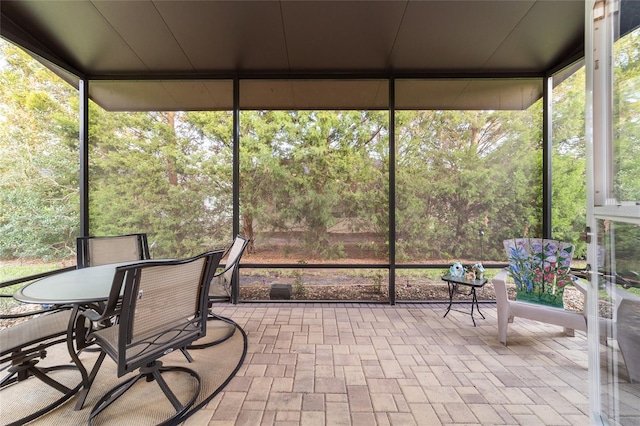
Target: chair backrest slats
(164, 307)
(165, 296)
(95, 251)
(233, 257)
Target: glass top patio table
(454, 282)
(78, 286)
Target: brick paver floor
(377, 364)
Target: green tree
(461, 173)
(626, 140)
(161, 173)
(305, 172)
(38, 159)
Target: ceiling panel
(455, 35)
(546, 34)
(154, 95)
(78, 33)
(261, 40)
(342, 36)
(509, 94)
(102, 37)
(222, 36)
(467, 94)
(314, 94)
(143, 29)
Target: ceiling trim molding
(315, 76)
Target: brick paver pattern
(377, 364)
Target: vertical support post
(236, 156)
(547, 156)
(235, 284)
(83, 181)
(603, 103)
(598, 138)
(392, 191)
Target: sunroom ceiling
(282, 46)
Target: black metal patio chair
(222, 288)
(100, 250)
(163, 308)
(24, 344)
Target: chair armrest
(84, 328)
(500, 287)
(92, 315)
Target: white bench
(508, 309)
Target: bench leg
(503, 323)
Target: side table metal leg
(452, 289)
(474, 302)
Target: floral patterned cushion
(540, 268)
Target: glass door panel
(613, 179)
(619, 320)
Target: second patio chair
(25, 344)
(102, 250)
(222, 288)
(94, 251)
(149, 327)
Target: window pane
(466, 180)
(166, 173)
(39, 198)
(313, 186)
(619, 312)
(626, 140)
(568, 215)
(314, 284)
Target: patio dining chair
(163, 308)
(101, 250)
(222, 288)
(25, 343)
(94, 250)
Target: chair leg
(503, 324)
(151, 372)
(186, 354)
(24, 371)
(48, 380)
(180, 409)
(167, 391)
(89, 381)
(111, 396)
